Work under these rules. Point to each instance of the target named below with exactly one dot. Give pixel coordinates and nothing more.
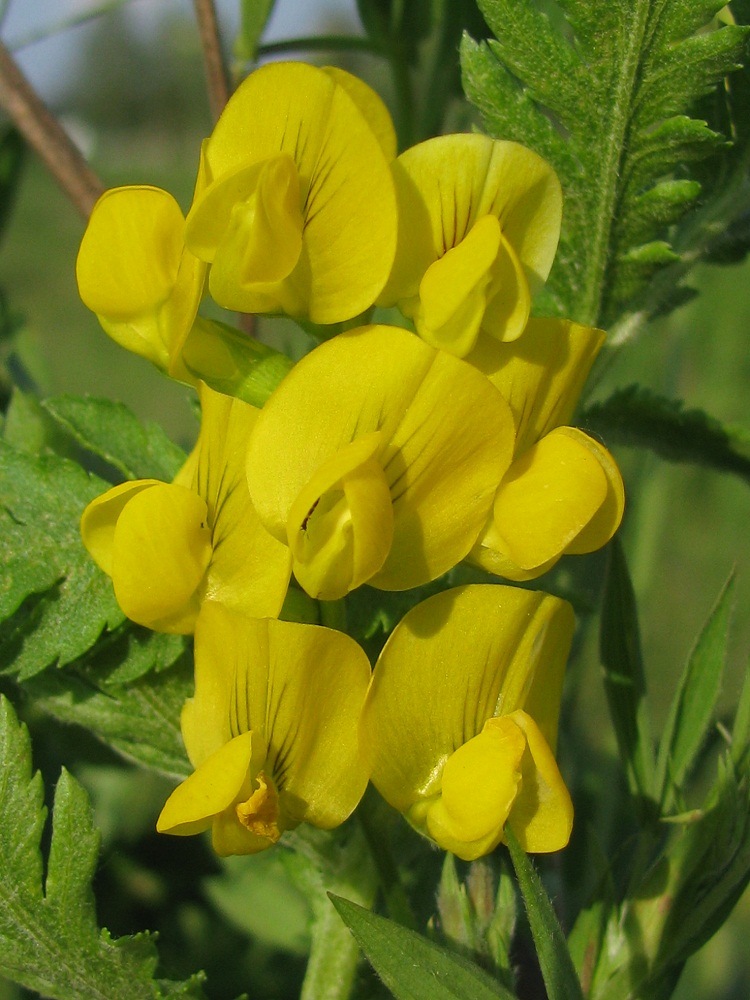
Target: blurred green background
(138, 104)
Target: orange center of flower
(260, 813)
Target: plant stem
(217, 77)
(45, 134)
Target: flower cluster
(386, 456)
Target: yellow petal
(461, 178)
(99, 520)
(542, 815)
(340, 526)
(448, 438)
(606, 520)
(346, 188)
(134, 273)
(452, 293)
(549, 494)
(264, 675)
(216, 785)
(370, 104)
(249, 568)
(541, 374)
(509, 296)
(130, 253)
(480, 782)
(453, 662)
(160, 552)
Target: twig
(217, 78)
(44, 133)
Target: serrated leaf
(624, 680)
(41, 551)
(49, 938)
(691, 712)
(401, 957)
(608, 101)
(558, 971)
(637, 417)
(140, 720)
(113, 432)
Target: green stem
(370, 814)
(326, 862)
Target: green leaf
(692, 708)
(639, 418)
(254, 15)
(401, 958)
(624, 681)
(112, 432)
(49, 938)
(741, 727)
(140, 720)
(607, 100)
(554, 958)
(54, 601)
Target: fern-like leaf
(605, 92)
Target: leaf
(41, 550)
(691, 711)
(554, 958)
(607, 100)
(112, 432)
(411, 966)
(254, 16)
(624, 681)
(639, 418)
(49, 938)
(141, 721)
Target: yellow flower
(479, 222)
(299, 214)
(170, 546)
(135, 273)
(563, 493)
(461, 719)
(272, 731)
(376, 461)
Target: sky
(47, 63)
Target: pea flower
(170, 546)
(461, 719)
(563, 493)
(272, 731)
(479, 222)
(376, 460)
(298, 214)
(135, 273)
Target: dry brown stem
(45, 134)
